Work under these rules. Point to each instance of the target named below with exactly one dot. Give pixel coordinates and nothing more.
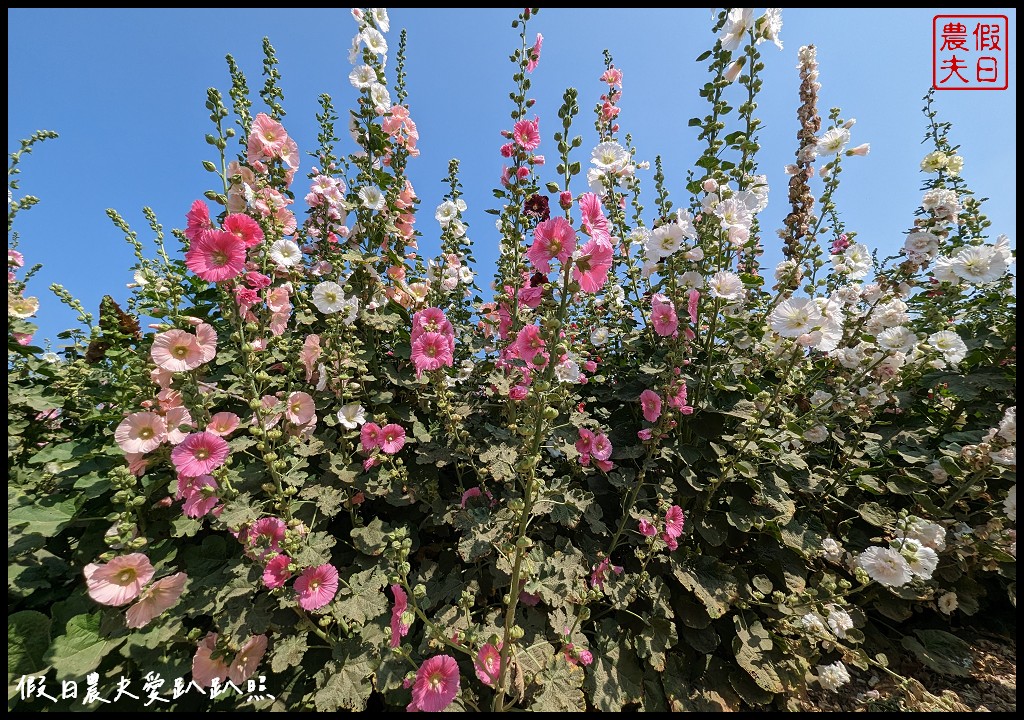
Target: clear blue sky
(126, 91)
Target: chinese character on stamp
(970, 52)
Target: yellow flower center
(146, 433)
(126, 576)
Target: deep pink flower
(518, 392)
(243, 227)
(670, 541)
(650, 401)
(663, 315)
(692, 297)
(585, 444)
(398, 629)
(531, 64)
(531, 296)
(370, 437)
(526, 133)
(158, 597)
(216, 255)
(565, 199)
(529, 343)
(471, 493)
(197, 220)
(594, 220)
(431, 320)
(645, 434)
(392, 438)
(276, 573)
(199, 454)
(140, 432)
(266, 534)
(437, 684)
(257, 281)
(488, 664)
(119, 581)
(599, 575)
(317, 586)
(674, 520)
(601, 448)
(198, 500)
(205, 668)
(553, 238)
(646, 529)
(592, 266)
(431, 351)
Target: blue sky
(126, 91)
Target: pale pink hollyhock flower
(310, 354)
(23, 338)
(591, 270)
(392, 438)
(590, 366)
(206, 336)
(317, 586)
(692, 297)
(674, 520)
(177, 351)
(370, 437)
(646, 529)
(206, 669)
(161, 595)
(300, 408)
(437, 684)
(223, 424)
(518, 392)
(162, 378)
(529, 343)
(137, 463)
(488, 664)
(612, 76)
(119, 581)
(398, 629)
(15, 258)
(276, 573)
(197, 220)
(861, 150)
(177, 417)
(431, 351)
(650, 401)
(243, 227)
(266, 139)
(531, 64)
(140, 432)
(663, 315)
(526, 133)
(248, 659)
(199, 454)
(216, 255)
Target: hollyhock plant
(552, 239)
(216, 255)
(199, 454)
(674, 519)
(300, 408)
(119, 581)
(155, 599)
(317, 586)
(398, 628)
(437, 684)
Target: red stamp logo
(970, 52)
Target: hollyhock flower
(471, 493)
(300, 408)
(437, 684)
(674, 520)
(248, 659)
(529, 343)
(243, 227)
(160, 596)
(370, 437)
(646, 529)
(392, 438)
(663, 315)
(692, 298)
(948, 603)
(328, 297)
(119, 581)
(488, 663)
(431, 351)
(526, 133)
(885, 566)
(979, 264)
(352, 415)
(176, 350)
(198, 220)
(738, 22)
(609, 157)
(216, 255)
(198, 500)
(205, 668)
(398, 629)
(285, 253)
(537, 206)
(670, 541)
(140, 432)
(552, 238)
(585, 443)
(650, 401)
(206, 338)
(921, 560)
(531, 65)
(371, 198)
(309, 354)
(592, 266)
(950, 344)
(257, 281)
(645, 434)
(594, 221)
(317, 586)
(726, 286)
(834, 676)
(199, 454)
(266, 534)
(599, 575)
(22, 338)
(795, 317)
(276, 573)
(177, 417)
(518, 392)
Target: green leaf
(562, 688)
(288, 652)
(615, 679)
(28, 638)
(942, 652)
(710, 580)
(370, 539)
(347, 684)
(80, 649)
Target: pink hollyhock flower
(650, 401)
(529, 343)
(206, 668)
(161, 595)
(198, 501)
(526, 133)
(206, 336)
(16, 259)
(300, 408)
(140, 432)
(590, 366)
(592, 266)
(518, 392)
(392, 438)
(612, 76)
(257, 281)
(177, 416)
(437, 684)
(678, 400)
(266, 139)
(471, 493)
(565, 199)
(431, 351)
(398, 629)
(507, 149)
(197, 220)
(223, 423)
(594, 220)
(431, 320)
(176, 351)
(586, 657)
(692, 297)
(644, 434)
(531, 64)
(216, 255)
(137, 463)
(23, 338)
(585, 444)
(161, 377)
(601, 448)
(646, 529)
(531, 296)
(244, 228)
(267, 533)
(604, 465)
(276, 573)
(199, 454)
(663, 315)
(370, 437)
(670, 541)
(317, 586)
(599, 575)
(674, 520)
(247, 659)
(119, 581)
(488, 664)
(310, 354)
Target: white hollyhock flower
(921, 560)
(285, 253)
(979, 264)
(839, 621)
(897, 339)
(834, 676)
(380, 18)
(446, 212)
(950, 344)
(1010, 504)
(833, 141)
(855, 262)
(362, 76)
(371, 198)
(737, 24)
(609, 157)
(772, 26)
(885, 566)
(813, 624)
(795, 317)
(816, 434)
(329, 298)
(352, 415)
(948, 603)
(380, 97)
(927, 533)
(1008, 425)
(664, 241)
(831, 550)
(726, 285)
(374, 41)
(599, 336)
